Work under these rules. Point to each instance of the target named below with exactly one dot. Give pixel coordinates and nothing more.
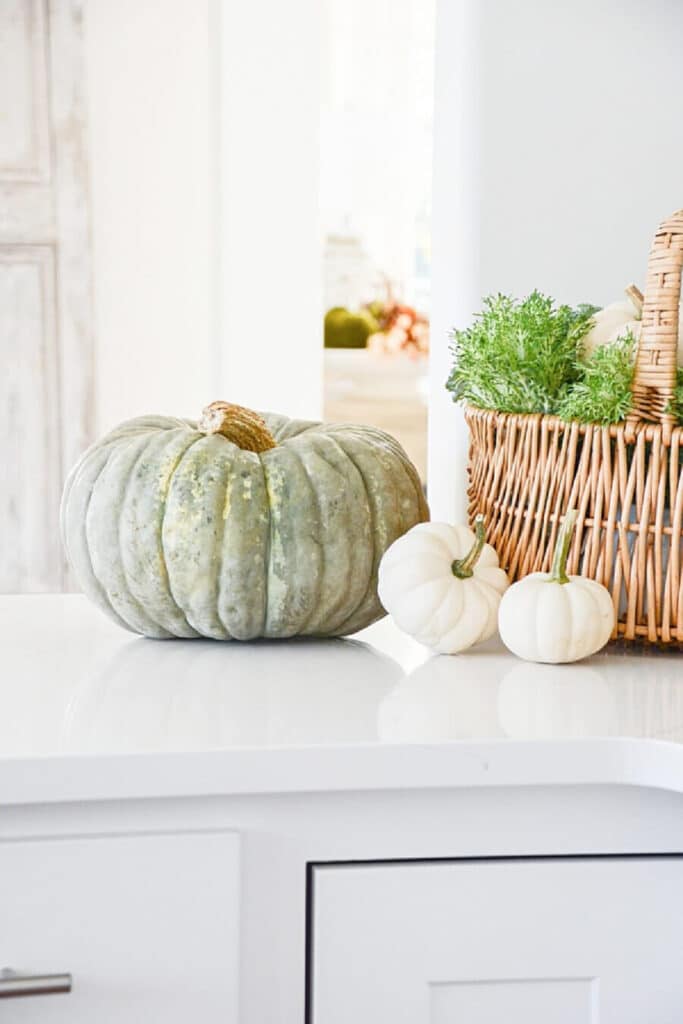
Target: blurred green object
(377, 310)
(344, 329)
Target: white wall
(148, 68)
(204, 136)
(377, 135)
(558, 149)
(271, 273)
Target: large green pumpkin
(239, 526)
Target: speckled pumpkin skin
(174, 533)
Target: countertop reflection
(193, 694)
(73, 683)
(490, 695)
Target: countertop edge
(67, 778)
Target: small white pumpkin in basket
(442, 585)
(622, 318)
(552, 617)
(615, 321)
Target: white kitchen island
(338, 832)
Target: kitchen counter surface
(90, 712)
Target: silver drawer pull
(13, 984)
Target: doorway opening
(375, 191)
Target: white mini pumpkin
(615, 320)
(552, 617)
(442, 585)
(619, 319)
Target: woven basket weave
(625, 480)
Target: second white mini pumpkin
(552, 617)
(442, 585)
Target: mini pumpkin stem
(463, 568)
(558, 571)
(243, 427)
(637, 298)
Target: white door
(134, 930)
(45, 292)
(548, 941)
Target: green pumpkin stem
(558, 571)
(243, 427)
(463, 568)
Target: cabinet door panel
(572, 941)
(46, 333)
(146, 925)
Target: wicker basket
(625, 480)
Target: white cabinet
(525, 941)
(166, 809)
(146, 925)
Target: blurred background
(375, 202)
(204, 200)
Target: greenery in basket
(518, 356)
(602, 391)
(677, 404)
(526, 356)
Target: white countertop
(88, 711)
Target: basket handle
(654, 380)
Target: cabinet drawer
(146, 925)
(572, 941)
